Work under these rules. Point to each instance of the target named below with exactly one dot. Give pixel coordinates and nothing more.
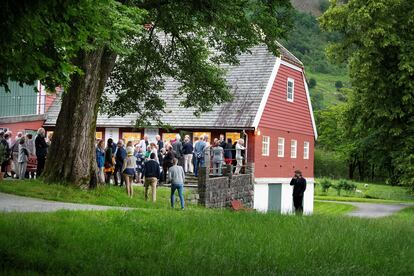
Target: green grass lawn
(204, 242)
(330, 208)
(379, 193)
(105, 195)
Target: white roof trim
(265, 97)
(294, 67)
(310, 106)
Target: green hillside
(308, 42)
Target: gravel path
(373, 210)
(14, 203)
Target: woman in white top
(154, 149)
(239, 157)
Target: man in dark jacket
(4, 154)
(299, 187)
(41, 150)
(120, 155)
(152, 174)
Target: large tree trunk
(71, 156)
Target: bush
(312, 83)
(339, 85)
(325, 184)
(323, 5)
(345, 185)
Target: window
(290, 89)
(234, 136)
(168, 136)
(98, 135)
(281, 147)
(265, 145)
(306, 150)
(293, 148)
(202, 134)
(134, 137)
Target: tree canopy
(377, 42)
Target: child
(128, 169)
(22, 159)
(140, 162)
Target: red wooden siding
(273, 166)
(281, 114)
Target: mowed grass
(105, 195)
(370, 193)
(330, 208)
(204, 242)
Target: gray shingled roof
(248, 82)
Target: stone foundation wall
(218, 192)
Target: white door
(112, 132)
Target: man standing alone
(299, 187)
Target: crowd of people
(16, 152)
(150, 163)
(120, 164)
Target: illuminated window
(306, 150)
(281, 147)
(167, 137)
(202, 134)
(293, 148)
(98, 135)
(265, 145)
(290, 89)
(234, 136)
(134, 137)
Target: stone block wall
(218, 192)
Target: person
(217, 152)
(128, 170)
(299, 187)
(151, 176)
(160, 145)
(199, 154)
(22, 159)
(228, 151)
(239, 157)
(168, 161)
(100, 160)
(154, 149)
(140, 163)
(120, 156)
(15, 154)
(222, 141)
(176, 177)
(188, 155)
(143, 144)
(4, 154)
(194, 145)
(178, 150)
(32, 152)
(109, 160)
(207, 152)
(41, 150)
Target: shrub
(312, 83)
(323, 5)
(345, 185)
(339, 85)
(325, 184)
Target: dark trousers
(40, 165)
(118, 169)
(298, 203)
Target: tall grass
(197, 242)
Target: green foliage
(325, 184)
(323, 5)
(347, 185)
(329, 164)
(339, 84)
(40, 39)
(377, 44)
(312, 83)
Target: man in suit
(299, 187)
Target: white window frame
(290, 80)
(306, 146)
(293, 148)
(265, 145)
(280, 147)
